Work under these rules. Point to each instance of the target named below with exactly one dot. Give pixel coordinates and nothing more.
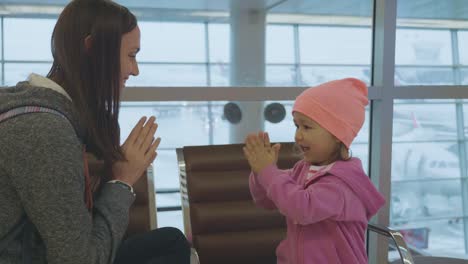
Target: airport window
(160, 44)
(463, 39)
(429, 142)
(169, 75)
(219, 43)
(335, 45)
(19, 38)
(280, 44)
(19, 71)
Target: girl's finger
(266, 138)
(247, 154)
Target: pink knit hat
(337, 106)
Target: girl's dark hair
(91, 76)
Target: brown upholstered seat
(219, 215)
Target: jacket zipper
(299, 245)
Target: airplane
(425, 176)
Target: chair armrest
(397, 237)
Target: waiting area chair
(223, 223)
(220, 218)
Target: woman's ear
(88, 42)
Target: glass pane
(166, 170)
(324, 45)
(17, 72)
(425, 185)
(174, 119)
(424, 37)
(463, 46)
(221, 127)
(18, 36)
(423, 47)
(219, 43)
(219, 74)
(172, 42)
(171, 218)
(361, 151)
(168, 199)
(311, 76)
(464, 76)
(465, 119)
(424, 122)
(426, 179)
(424, 76)
(280, 75)
(169, 75)
(283, 131)
(279, 44)
(440, 237)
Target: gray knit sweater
(41, 174)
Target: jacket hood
(27, 94)
(352, 173)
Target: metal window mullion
(297, 55)
(461, 136)
(381, 116)
(207, 54)
(208, 78)
(463, 167)
(230, 93)
(455, 57)
(3, 49)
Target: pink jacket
(327, 215)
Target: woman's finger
(144, 131)
(136, 131)
(149, 137)
(155, 154)
(153, 147)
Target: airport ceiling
(286, 11)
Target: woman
(64, 215)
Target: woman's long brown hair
(91, 75)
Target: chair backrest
(220, 217)
(143, 211)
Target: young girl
(49, 213)
(326, 197)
